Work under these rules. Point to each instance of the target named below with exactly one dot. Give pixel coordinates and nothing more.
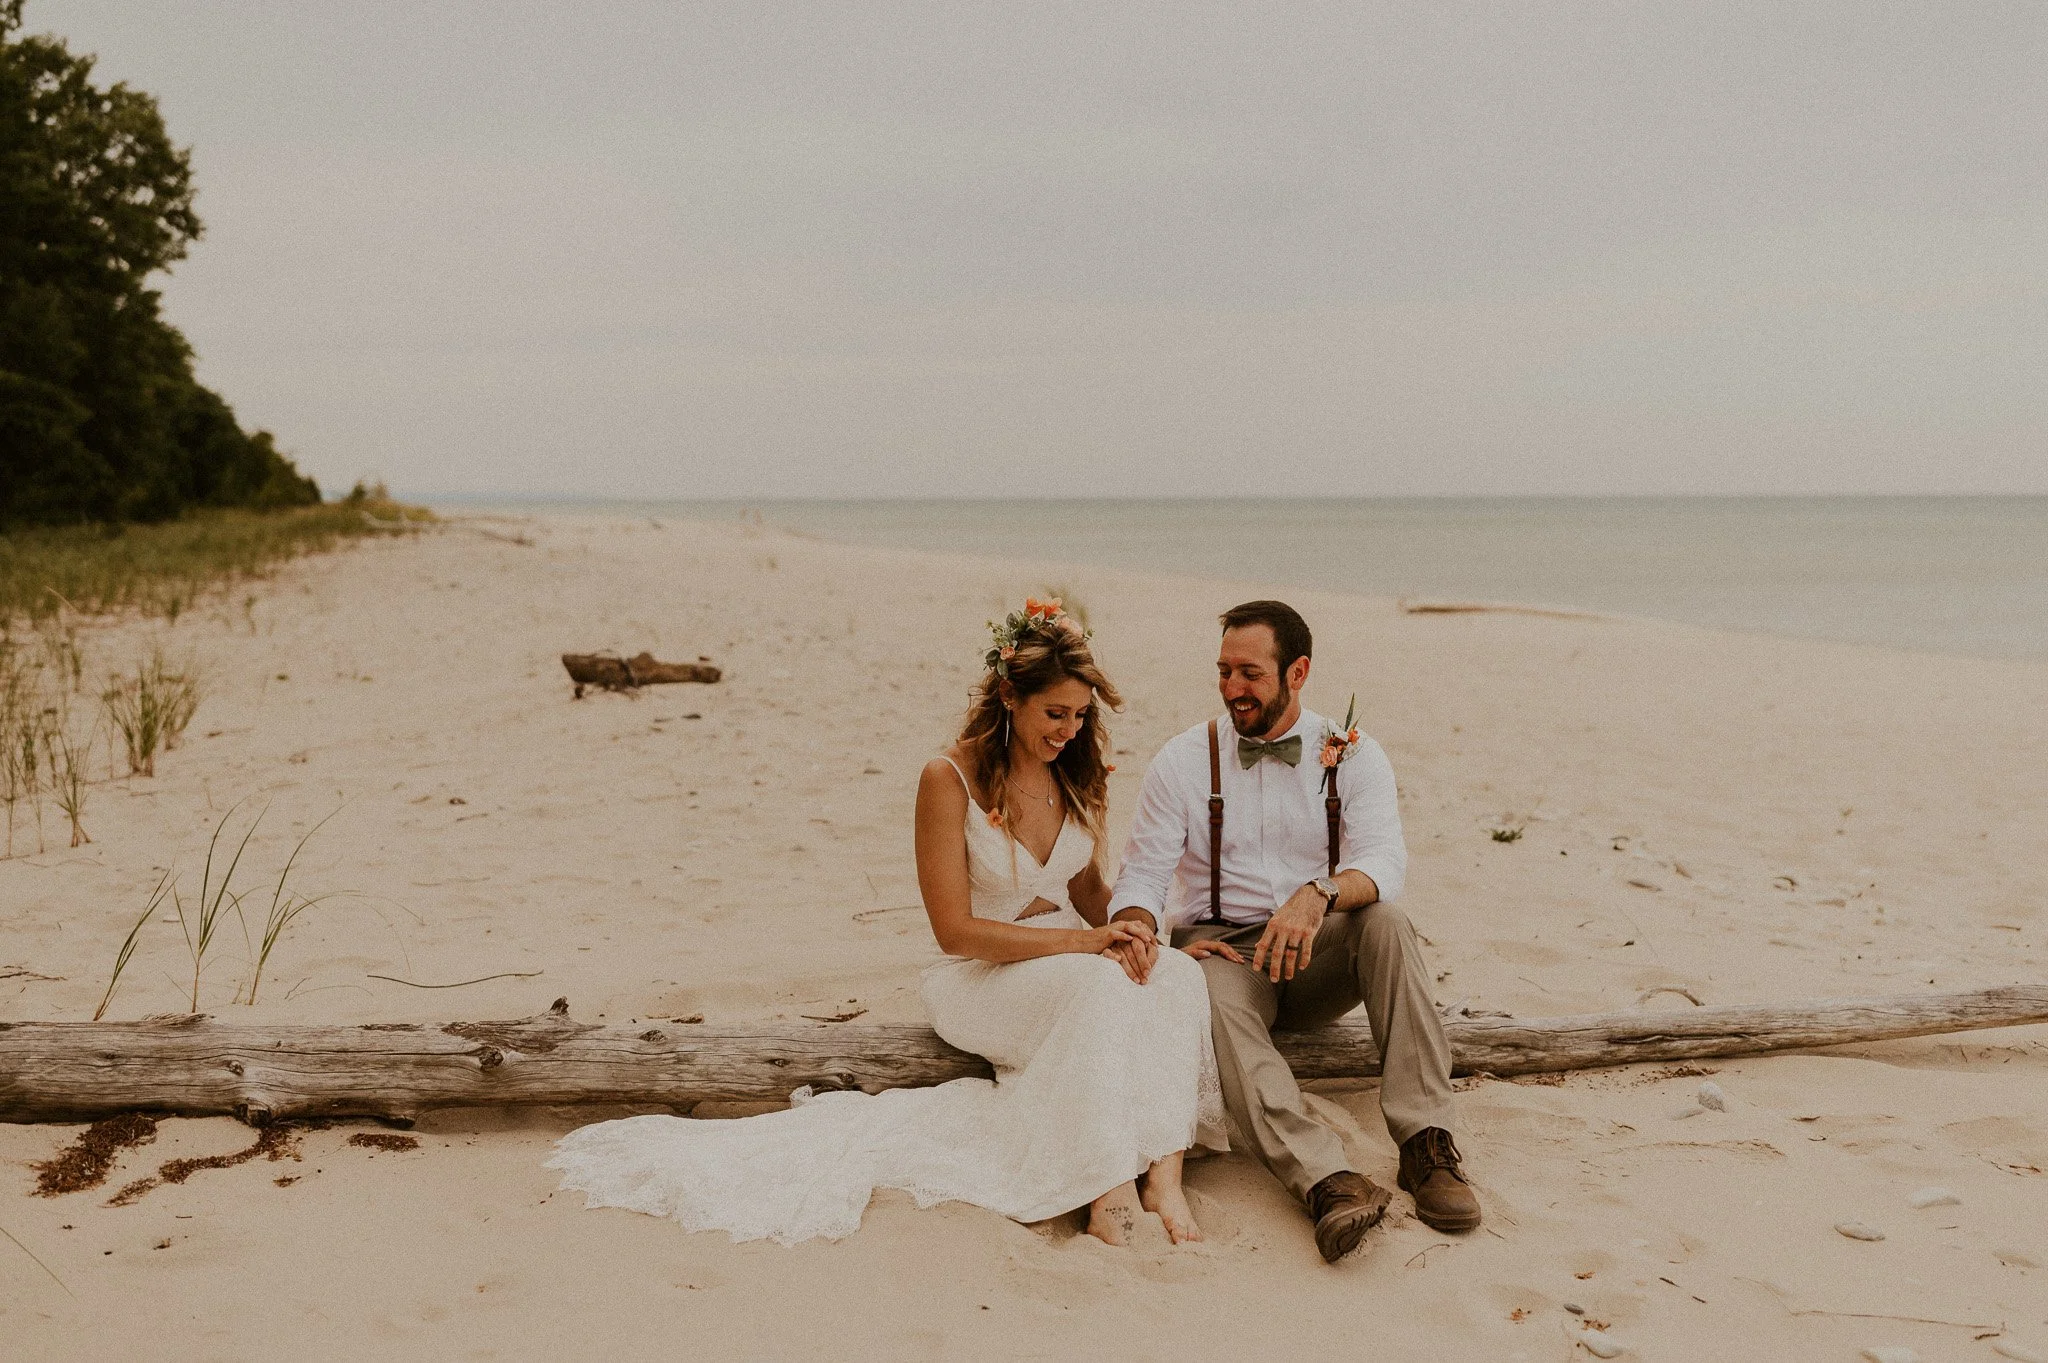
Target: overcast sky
(756, 249)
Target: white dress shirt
(1275, 830)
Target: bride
(1104, 1073)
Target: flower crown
(1038, 617)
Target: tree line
(101, 417)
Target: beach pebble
(1574, 1308)
(1934, 1197)
(2005, 1348)
(1600, 1346)
(1856, 1230)
(1712, 1096)
(1894, 1354)
(1693, 1111)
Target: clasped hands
(1138, 951)
(1283, 950)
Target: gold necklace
(1034, 794)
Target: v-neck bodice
(1004, 877)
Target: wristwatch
(1327, 888)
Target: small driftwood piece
(614, 673)
(191, 1065)
(1490, 608)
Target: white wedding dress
(1096, 1077)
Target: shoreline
(1485, 588)
(751, 864)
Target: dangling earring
(1006, 728)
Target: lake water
(1951, 574)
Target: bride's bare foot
(1165, 1199)
(1114, 1216)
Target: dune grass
(50, 728)
(32, 711)
(52, 581)
(199, 920)
(66, 755)
(164, 570)
(151, 709)
(127, 951)
(216, 897)
(286, 904)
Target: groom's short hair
(1291, 638)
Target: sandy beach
(1740, 817)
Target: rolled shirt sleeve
(1371, 840)
(1159, 836)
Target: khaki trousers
(1368, 956)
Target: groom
(1304, 888)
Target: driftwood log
(1490, 608)
(614, 673)
(191, 1065)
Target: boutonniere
(1339, 743)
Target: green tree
(101, 417)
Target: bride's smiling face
(1042, 724)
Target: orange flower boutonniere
(1339, 744)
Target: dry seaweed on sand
(384, 1140)
(273, 1142)
(85, 1162)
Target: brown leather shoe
(1345, 1206)
(1430, 1174)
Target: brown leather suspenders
(1333, 808)
(1333, 811)
(1215, 830)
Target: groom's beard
(1262, 720)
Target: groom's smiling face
(1259, 696)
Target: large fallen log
(192, 1065)
(613, 673)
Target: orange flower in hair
(1048, 618)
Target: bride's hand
(1124, 943)
(1108, 937)
(1212, 947)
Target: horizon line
(747, 499)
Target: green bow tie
(1250, 750)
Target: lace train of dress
(1096, 1077)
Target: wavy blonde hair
(1051, 652)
